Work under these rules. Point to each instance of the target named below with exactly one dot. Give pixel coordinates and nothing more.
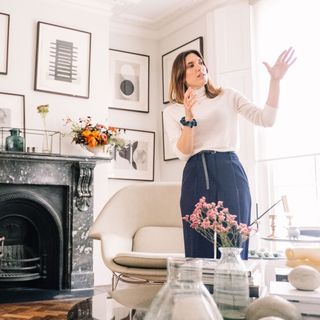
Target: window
(288, 154)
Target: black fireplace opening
(33, 237)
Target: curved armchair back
(149, 211)
(138, 205)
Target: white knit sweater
(217, 120)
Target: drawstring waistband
(205, 169)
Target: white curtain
(279, 24)
(295, 139)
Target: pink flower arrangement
(211, 218)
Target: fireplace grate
(20, 269)
(15, 266)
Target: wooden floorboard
(57, 309)
(53, 310)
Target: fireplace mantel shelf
(49, 157)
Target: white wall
(230, 26)
(131, 120)
(172, 170)
(24, 17)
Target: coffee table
(122, 304)
(132, 301)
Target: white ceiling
(150, 13)
(153, 15)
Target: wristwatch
(192, 123)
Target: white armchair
(139, 227)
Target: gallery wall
(24, 16)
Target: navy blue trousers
(218, 176)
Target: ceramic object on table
(272, 306)
(304, 278)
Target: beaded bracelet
(192, 123)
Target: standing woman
(202, 124)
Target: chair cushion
(144, 259)
(159, 239)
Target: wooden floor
(56, 309)
(52, 309)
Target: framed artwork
(12, 115)
(4, 42)
(167, 62)
(168, 154)
(63, 60)
(135, 161)
(129, 79)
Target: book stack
(307, 302)
(254, 269)
(282, 274)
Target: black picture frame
(135, 161)
(129, 80)
(167, 61)
(63, 58)
(4, 42)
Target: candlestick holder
(272, 217)
(289, 217)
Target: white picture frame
(4, 42)
(129, 80)
(12, 115)
(63, 60)
(135, 161)
(167, 151)
(167, 62)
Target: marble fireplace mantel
(25, 170)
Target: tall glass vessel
(183, 296)
(231, 284)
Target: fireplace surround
(46, 209)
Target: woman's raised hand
(188, 101)
(283, 63)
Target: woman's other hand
(189, 101)
(283, 63)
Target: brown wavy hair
(178, 79)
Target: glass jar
(184, 295)
(15, 142)
(231, 284)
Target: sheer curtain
(288, 154)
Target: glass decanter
(184, 295)
(15, 142)
(231, 284)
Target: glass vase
(15, 142)
(231, 284)
(45, 143)
(104, 151)
(183, 296)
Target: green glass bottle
(15, 142)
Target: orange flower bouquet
(87, 134)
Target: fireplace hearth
(46, 209)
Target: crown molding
(147, 28)
(102, 7)
(170, 24)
